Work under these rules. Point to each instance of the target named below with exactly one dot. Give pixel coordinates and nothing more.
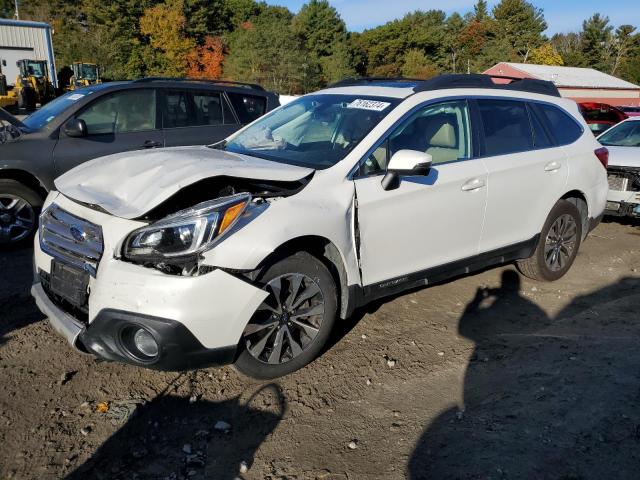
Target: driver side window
(441, 130)
(121, 112)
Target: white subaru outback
(248, 251)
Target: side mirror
(406, 162)
(75, 128)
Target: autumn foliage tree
(205, 61)
(164, 25)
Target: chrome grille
(71, 239)
(618, 182)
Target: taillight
(603, 155)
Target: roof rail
(214, 81)
(478, 80)
(459, 80)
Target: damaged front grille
(71, 239)
(624, 179)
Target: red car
(600, 116)
(631, 111)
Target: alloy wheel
(560, 242)
(17, 218)
(288, 321)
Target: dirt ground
(489, 376)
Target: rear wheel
(293, 324)
(19, 206)
(558, 244)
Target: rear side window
(187, 108)
(562, 126)
(207, 109)
(248, 107)
(541, 138)
(506, 126)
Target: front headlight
(186, 232)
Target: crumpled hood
(130, 184)
(624, 156)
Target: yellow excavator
(33, 84)
(84, 74)
(8, 99)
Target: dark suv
(110, 118)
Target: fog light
(145, 342)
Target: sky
(561, 15)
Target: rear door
(116, 122)
(527, 171)
(196, 117)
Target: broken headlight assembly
(184, 234)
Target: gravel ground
(489, 376)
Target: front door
(117, 122)
(429, 220)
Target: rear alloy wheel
(292, 325)
(19, 207)
(558, 244)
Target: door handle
(552, 166)
(152, 144)
(473, 184)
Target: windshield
(88, 71)
(37, 69)
(625, 134)
(315, 131)
(51, 110)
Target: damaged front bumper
(187, 321)
(623, 198)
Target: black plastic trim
(449, 270)
(179, 349)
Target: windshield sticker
(75, 96)
(374, 105)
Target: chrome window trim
(354, 175)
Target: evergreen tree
(520, 26)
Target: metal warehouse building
(579, 84)
(25, 40)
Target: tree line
(251, 41)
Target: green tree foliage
(266, 50)
(519, 25)
(596, 41)
(299, 53)
(546, 54)
(323, 35)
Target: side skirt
(449, 270)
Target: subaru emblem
(78, 234)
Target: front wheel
(19, 207)
(292, 325)
(558, 244)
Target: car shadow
(544, 397)
(173, 437)
(17, 308)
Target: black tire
(27, 99)
(13, 188)
(315, 276)
(543, 265)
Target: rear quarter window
(562, 126)
(248, 107)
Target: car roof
(178, 83)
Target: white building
(25, 40)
